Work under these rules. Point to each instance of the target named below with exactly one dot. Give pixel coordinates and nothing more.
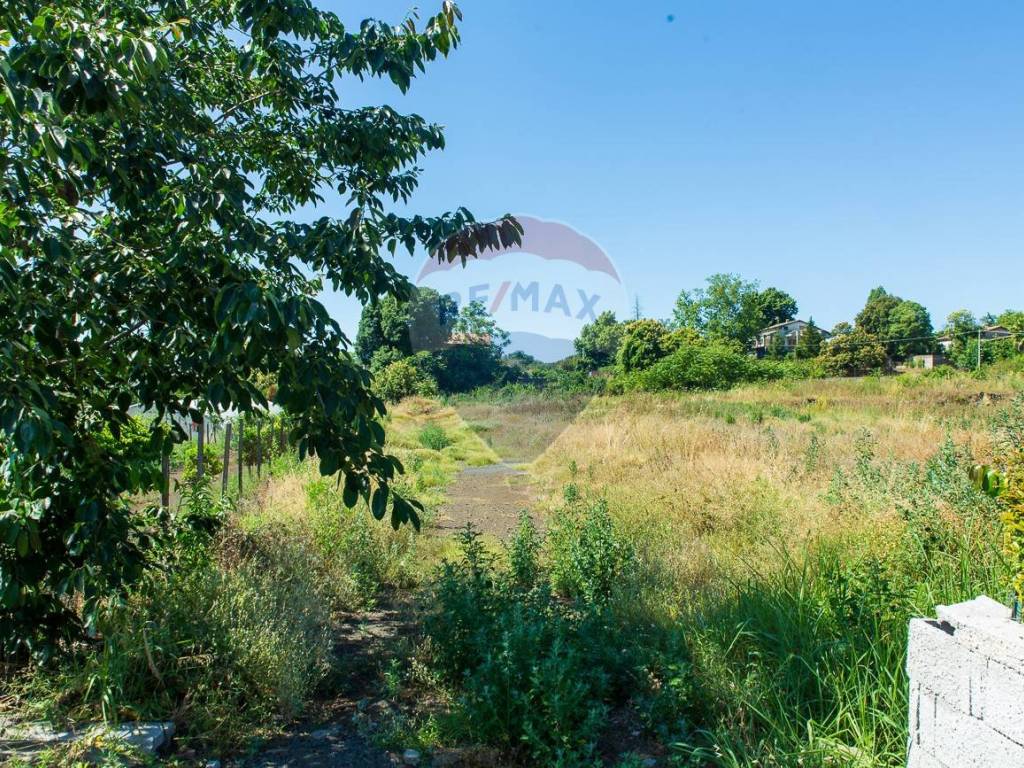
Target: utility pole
(979, 349)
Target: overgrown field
(712, 579)
(789, 532)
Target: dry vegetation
(708, 478)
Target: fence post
(259, 452)
(200, 445)
(241, 432)
(227, 459)
(165, 473)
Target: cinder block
(918, 758)
(962, 741)
(1004, 701)
(984, 626)
(914, 715)
(939, 663)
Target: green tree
(422, 322)
(808, 346)
(874, 319)
(476, 325)
(961, 328)
(852, 354)
(644, 342)
(910, 321)
(152, 158)
(1012, 320)
(961, 323)
(776, 306)
(728, 308)
(841, 328)
(598, 342)
(776, 347)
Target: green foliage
(889, 317)
(874, 318)
(701, 366)
(262, 437)
(809, 344)
(475, 325)
(238, 633)
(909, 320)
(151, 161)
(465, 366)
(823, 638)
(402, 379)
(729, 308)
(853, 354)
(776, 307)
(213, 462)
(643, 344)
(434, 438)
(777, 347)
(591, 557)
(537, 676)
(599, 341)
(399, 328)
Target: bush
(464, 367)
(213, 463)
(643, 344)
(402, 379)
(852, 354)
(698, 366)
(538, 675)
(434, 438)
(590, 556)
(237, 633)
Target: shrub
(537, 675)
(464, 367)
(643, 344)
(213, 463)
(433, 437)
(239, 633)
(402, 379)
(698, 366)
(590, 556)
(852, 354)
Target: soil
(329, 738)
(490, 498)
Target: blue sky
(824, 148)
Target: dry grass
(520, 428)
(712, 480)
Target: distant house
(988, 333)
(790, 331)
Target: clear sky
(824, 148)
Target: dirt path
(329, 738)
(489, 497)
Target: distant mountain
(545, 349)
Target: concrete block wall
(966, 672)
